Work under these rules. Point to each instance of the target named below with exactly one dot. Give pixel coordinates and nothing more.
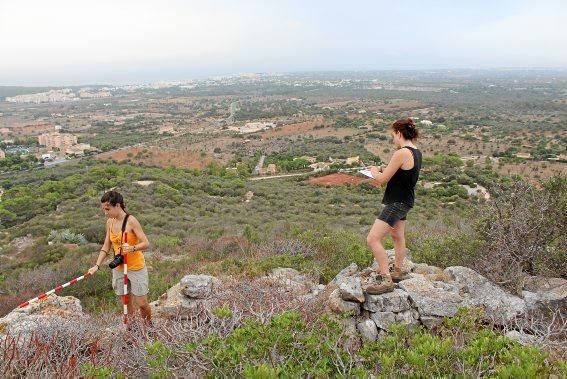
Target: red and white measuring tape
(125, 292)
(44, 296)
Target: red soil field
(339, 179)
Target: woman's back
(400, 188)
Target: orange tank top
(136, 259)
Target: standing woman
(112, 203)
(401, 175)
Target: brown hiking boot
(385, 285)
(398, 275)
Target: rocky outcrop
(192, 292)
(39, 315)
(430, 294)
(545, 294)
(427, 296)
(476, 290)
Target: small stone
(395, 301)
(383, 319)
(338, 305)
(197, 286)
(351, 290)
(407, 317)
(368, 330)
(431, 322)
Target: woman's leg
(374, 241)
(145, 309)
(398, 236)
(131, 305)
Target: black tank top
(401, 186)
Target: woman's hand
(127, 248)
(375, 170)
(93, 269)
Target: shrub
(286, 344)
(524, 231)
(66, 236)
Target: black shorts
(394, 212)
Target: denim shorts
(394, 212)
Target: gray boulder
(197, 286)
(476, 290)
(351, 290)
(54, 310)
(340, 306)
(545, 294)
(431, 298)
(368, 330)
(292, 281)
(410, 317)
(431, 322)
(383, 319)
(344, 274)
(395, 301)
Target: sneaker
(399, 275)
(385, 285)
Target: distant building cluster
(88, 94)
(252, 127)
(53, 96)
(2, 154)
(59, 95)
(61, 141)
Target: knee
(397, 236)
(370, 238)
(373, 239)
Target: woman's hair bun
(407, 128)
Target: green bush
(285, 345)
(464, 348)
(452, 250)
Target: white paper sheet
(366, 172)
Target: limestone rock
(547, 294)
(522, 338)
(351, 290)
(395, 301)
(53, 310)
(431, 298)
(248, 196)
(338, 305)
(175, 303)
(425, 269)
(345, 273)
(368, 330)
(197, 286)
(293, 281)
(383, 319)
(407, 317)
(477, 290)
(431, 322)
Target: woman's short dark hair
(113, 198)
(407, 127)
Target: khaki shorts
(138, 282)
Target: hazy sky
(62, 42)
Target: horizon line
(268, 73)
